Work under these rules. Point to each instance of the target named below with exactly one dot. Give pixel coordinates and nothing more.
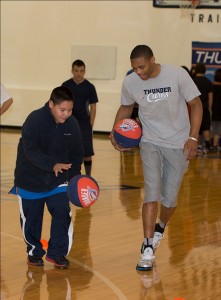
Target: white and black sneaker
(156, 240)
(146, 260)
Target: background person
(85, 108)
(216, 111)
(6, 100)
(205, 87)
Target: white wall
(37, 37)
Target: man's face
(78, 73)
(143, 66)
(61, 111)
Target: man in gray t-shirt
(169, 137)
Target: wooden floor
(108, 236)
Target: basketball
(127, 133)
(83, 191)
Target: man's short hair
(200, 68)
(141, 51)
(78, 63)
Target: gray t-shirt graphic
(162, 105)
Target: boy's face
(61, 111)
(78, 73)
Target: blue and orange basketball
(83, 190)
(127, 133)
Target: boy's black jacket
(43, 144)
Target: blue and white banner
(209, 54)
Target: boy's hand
(58, 168)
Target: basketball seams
(127, 133)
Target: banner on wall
(209, 54)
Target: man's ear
(152, 59)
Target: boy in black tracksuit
(50, 153)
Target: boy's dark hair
(141, 51)
(200, 68)
(78, 63)
(60, 94)
(217, 76)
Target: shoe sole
(56, 264)
(143, 269)
(35, 264)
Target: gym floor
(108, 236)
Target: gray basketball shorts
(163, 170)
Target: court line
(111, 285)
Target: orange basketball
(127, 133)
